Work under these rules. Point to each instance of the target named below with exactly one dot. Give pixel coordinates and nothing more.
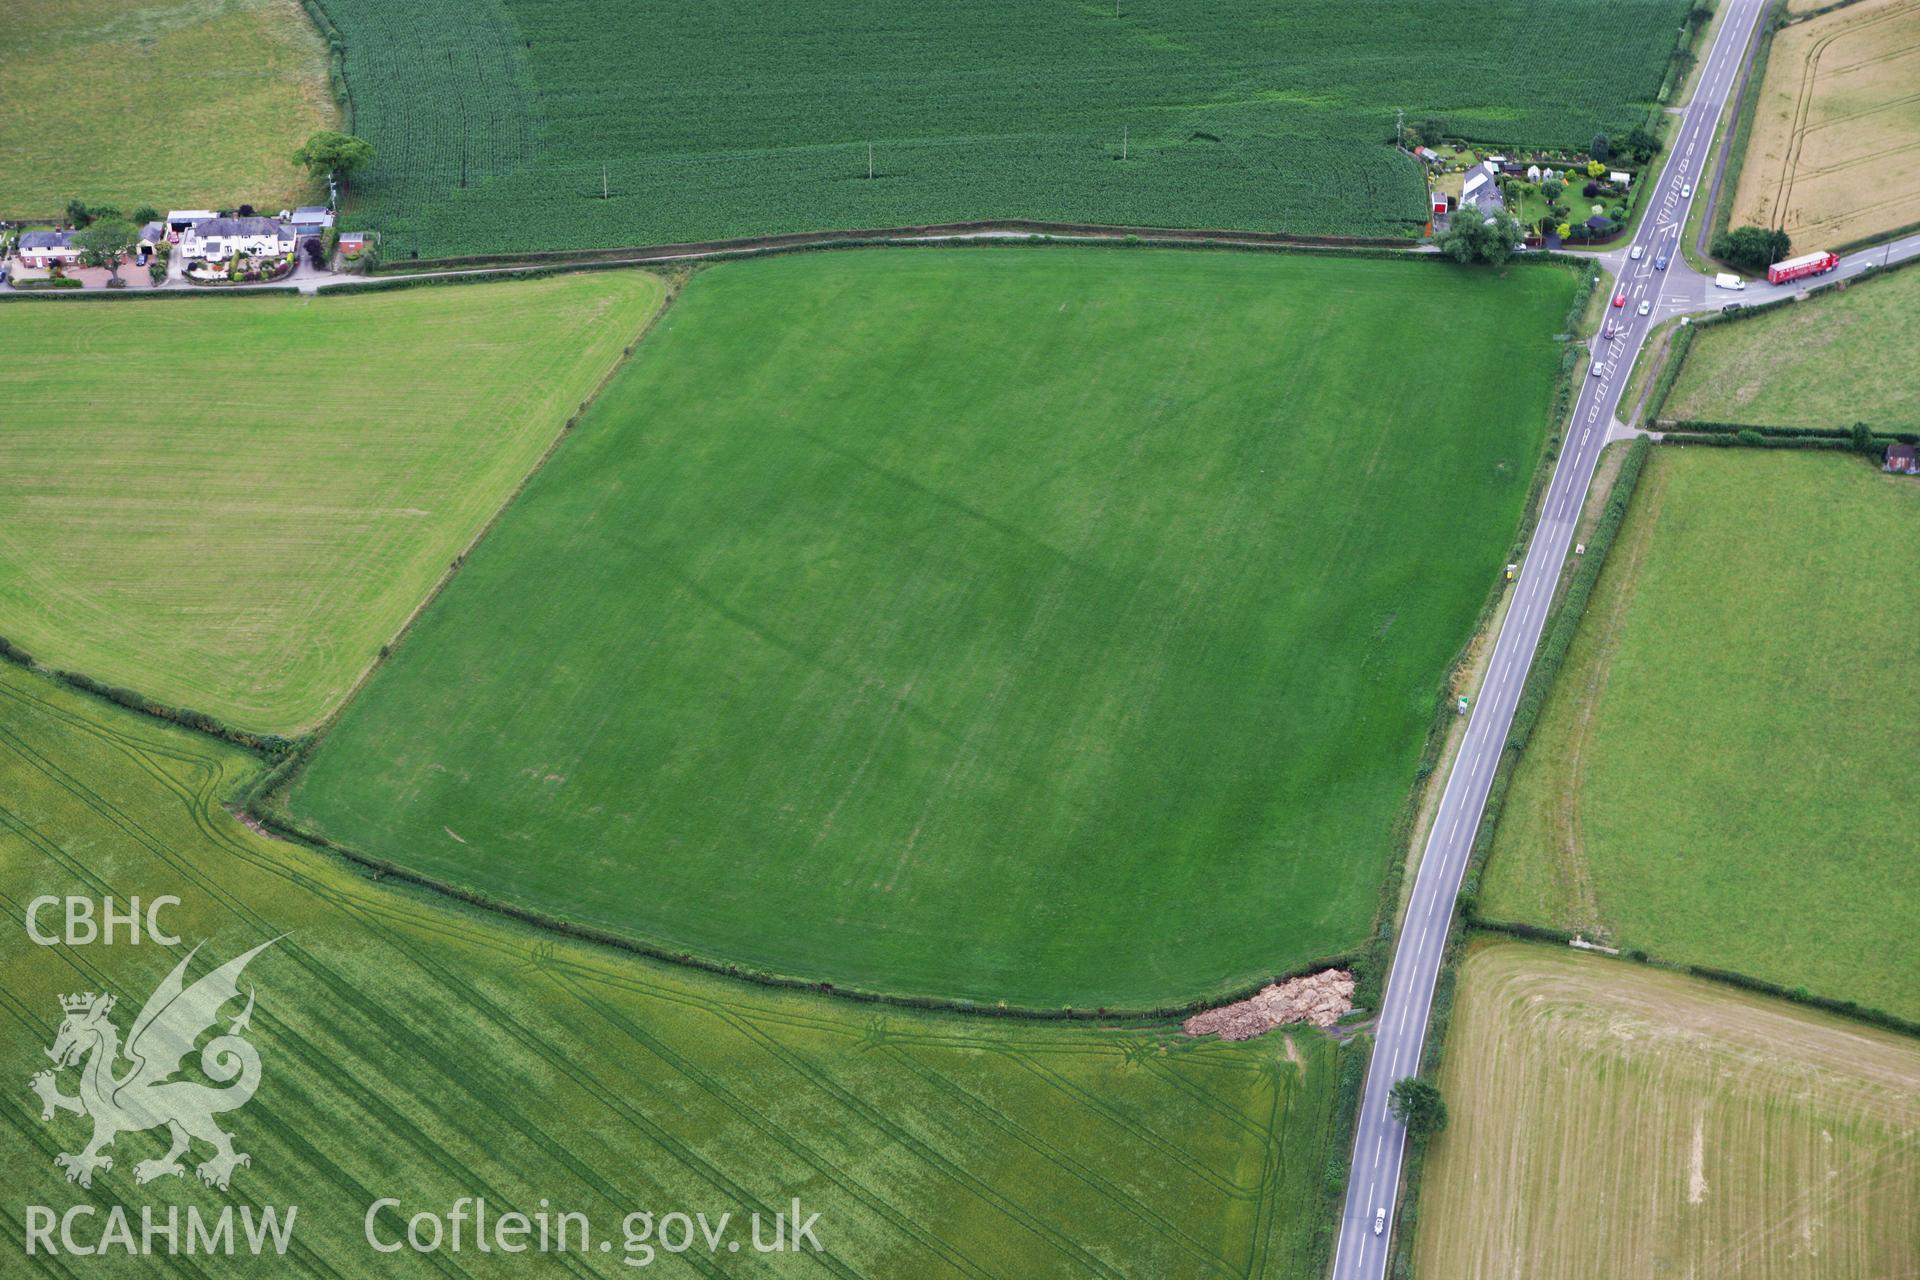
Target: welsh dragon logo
(145, 1095)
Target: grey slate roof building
(229, 227)
(311, 219)
(1480, 191)
(31, 240)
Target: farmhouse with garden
(217, 239)
(47, 249)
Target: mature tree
(1642, 143)
(1417, 1104)
(1471, 238)
(77, 214)
(1600, 148)
(104, 242)
(1430, 131)
(1752, 248)
(1595, 169)
(1699, 16)
(1862, 438)
(330, 153)
(1553, 189)
(145, 213)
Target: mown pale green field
(415, 1050)
(1723, 769)
(1610, 1119)
(1837, 360)
(1049, 626)
(232, 503)
(176, 104)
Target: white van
(1727, 280)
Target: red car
(1619, 299)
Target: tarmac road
(1373, 1183)
(1680, 290)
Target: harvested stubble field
(1053, 626)
(510, 125)
(1720, 773)
(232, 502)
(1842, 358)
(176, 103)
(413, 1049)
(1667, 1126)
(1834, 156)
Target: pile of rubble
(1319, 998)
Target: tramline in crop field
(1614, 1119)
(414, 1049)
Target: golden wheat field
(1612, 1119)
(1834, 156)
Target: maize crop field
(505, 125)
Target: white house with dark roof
(47, 249)
(1480, 191)
(217, 239)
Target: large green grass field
(1043, 625)
(1831, 362)
(509, 125)
(173, 103)
(412, 1049)
(232, 503)
(1722, 773)
(1611, 1119)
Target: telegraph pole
(869, 161)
